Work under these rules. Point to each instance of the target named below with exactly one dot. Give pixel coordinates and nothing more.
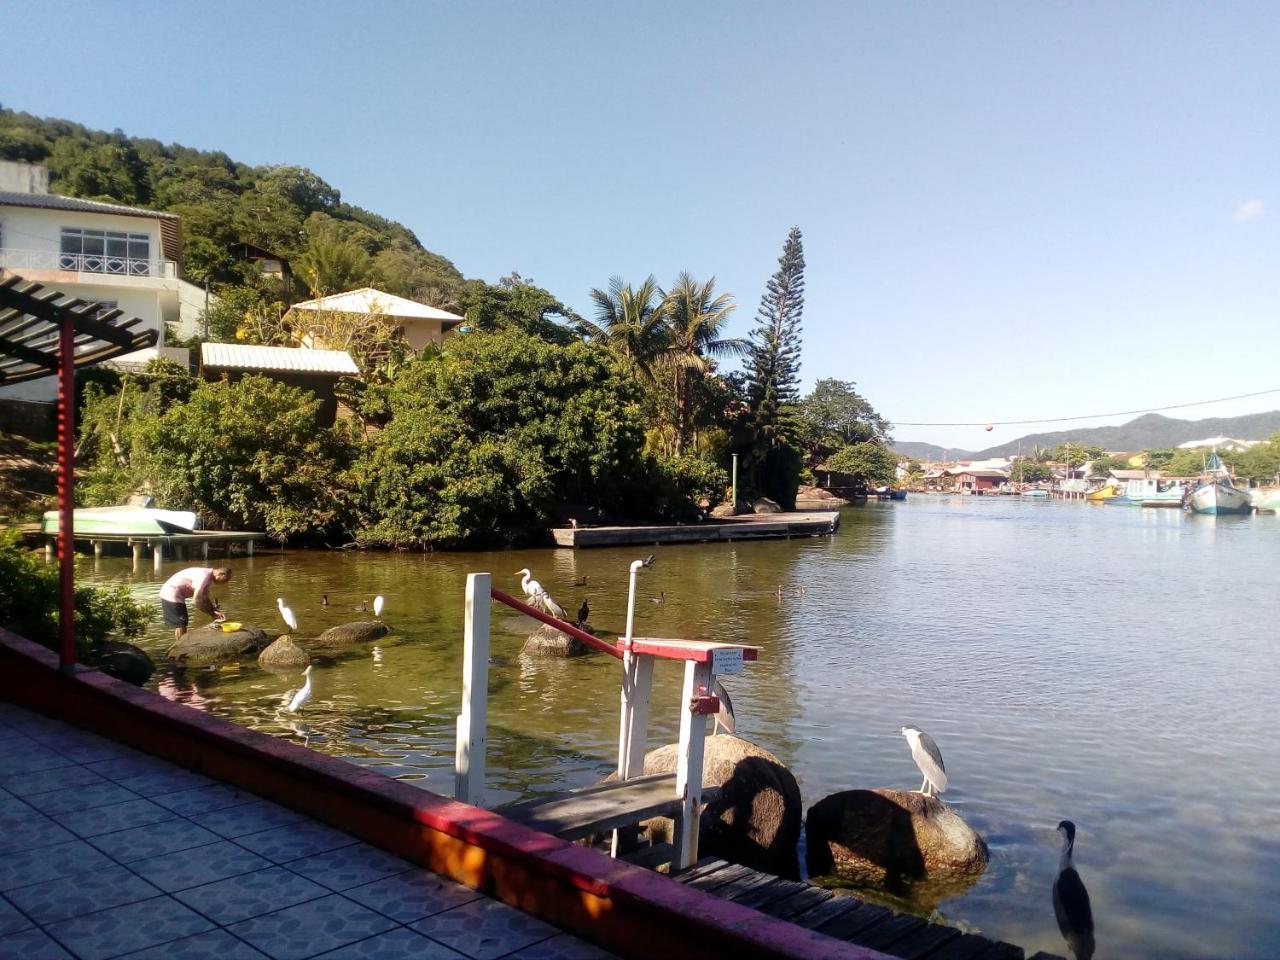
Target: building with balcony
(118, 256)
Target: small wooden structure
(43, 332)
(633, 797)
(752, 526)
(158, 544)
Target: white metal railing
(87, 263)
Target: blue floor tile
(81, 893)
(33, 944)
(153, 840)
(193, 867)
(247, 818)
(251, 895)
(349, 867)
(411, 896)
(114, 818)
(485, 929)
(214, 945)
(109, 933)
(310, 928)
(396, 944)
(41, 864)
(293, 841)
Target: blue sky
(1010, 210)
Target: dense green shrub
(488, 438)
(29, 603)
(873, 462)
(689, 484)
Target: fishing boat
(1102, 495)
(1218, 494)
(1165, 495)
(1265, 499)
(897, 494)
(1035, 494)
(125, 519)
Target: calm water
(1111, 665)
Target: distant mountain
(1150, 430)
(928, 451)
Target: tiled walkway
(107, 852)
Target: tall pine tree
(773, 375)
(773, 369)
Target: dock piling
(472, 730)
(157, 553)
(693, 731)
(138, 547)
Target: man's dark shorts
(175, 612)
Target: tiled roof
(52, 201)
(369, 300)
(240, 356)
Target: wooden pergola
(43, 333)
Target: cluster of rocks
(211, 644)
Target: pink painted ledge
(716, 927)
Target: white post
(633, 719)
(693, 731)
(473, 731)
(138, 547)
(157, 553)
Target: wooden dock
(176, 545)
(845, 918)
(755, 526)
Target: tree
(631, 320)
(1103, 466)
(873, 462)
(835, 414)
(488, 439)
(773, 370)
(333, 263)
(1075, 453)
(696, 317)
(517, 303)
(1026, 470)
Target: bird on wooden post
(1071, 899)
(925, 752)
(287, 614)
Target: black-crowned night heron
(724, 719)
(928, 758)
(1071, 899)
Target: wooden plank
(826, 911)
(965, 947)
(797, 903)
(718, 878)
(600, 808)
(735, 889)
(914, 940)
(1001, 951)
(778, 889)
(851, 926)
(701, 868)
(890, 930)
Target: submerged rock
(756, 821)
(889, 836)
(547, 641)
(346, 634)
(212, 644)
(124, 661)
(283, 654)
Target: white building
(419, 323)
(120, 257)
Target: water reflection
(1068, 657)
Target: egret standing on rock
(302, 696)
(1071, 899)
(378, 604)
(285, 612)
(929, 759)
(538, 596)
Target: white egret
(925, 752)
(537, 595)
(285, 612)
(724, 718)
(378, 604)
(302, 696)
(1071, 899)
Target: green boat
(124, 520)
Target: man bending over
(194, 582)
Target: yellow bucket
(229, 626)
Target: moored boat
(1265, 499)
(127, 520)
(1218, 494)
(1103, 494)
(1035, 494)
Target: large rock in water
(547, 641)
(756, 821)
(890, 836)
(349, 634)
(124, 661)
(212, 644)
(765, 505)
(283, 654)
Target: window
(105, 251)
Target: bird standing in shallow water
(1071, 899)
(925, 752)
(660, 598)
(302, 696)
(324, 599)
(378, 604)
(287, 614)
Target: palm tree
(695, 319)
(631, 320)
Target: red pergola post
(66, 492)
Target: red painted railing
(560, 625)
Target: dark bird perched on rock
(1071, 899)
(584, 611)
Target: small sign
(728, 660)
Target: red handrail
(551, 621)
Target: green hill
(1149, 431)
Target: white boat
(1265, 498)
(125, 519)
(1218, 494)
